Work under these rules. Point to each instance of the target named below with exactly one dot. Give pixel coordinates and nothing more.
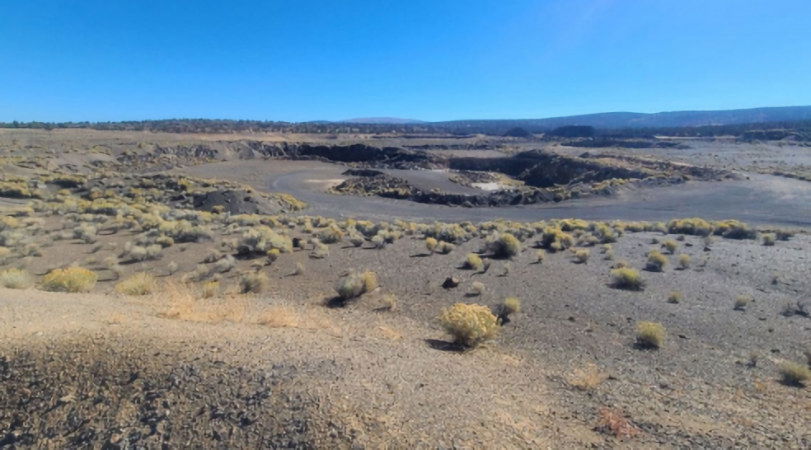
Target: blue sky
(432, 60)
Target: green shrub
(15, 279)
(627, 278)
(469, 324)
(650, 334)
(656, 261)
(71, 279)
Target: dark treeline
(771, 130)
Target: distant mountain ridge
(382, 120)
(684, 123)
(614, 120)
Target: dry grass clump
(356, 284)
(511, 305)
(695, 226)
(388, 302)
(675, 297)
(650, 334)
(477, 288)
(769, 239)
(253, 282)
(278, 317)
(539, 256)
(555, 239)
(469, 324)
(430, 244)
(627, 278)
(444, 247)
(587, 378)
(656, 261)
(71, 279)
(136, 284)
(795, 374)
(671, 246)
(259, 240)
(15, 279)
(734, 229)
(184, 304)
(474, 262)
(581, 255)
(331, 235)
(741, 302)
(503, 245)
(684, 261)
(614, 422)
(210, 289)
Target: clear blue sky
(302, 60)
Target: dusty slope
(93, 369)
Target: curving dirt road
(759, 200)
(762, 199)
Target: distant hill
(382, 120)
(677, 123)
(620, 120)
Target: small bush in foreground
(504, 245)
(469, 324)
(356, 284)
(136, 284)
(253, 282)
(71, 279)
(650, 334)
(581, 255)
(430, 244)
(210, 289)
(670, 245)
(587, 378)
(684, 261)
(613, 422)
(742, 301)
(795, 374)
(15, 279)
(627, 278)
(768, 239)
(511, 305)
(656, 261)
(389, 302)
(474, 262)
